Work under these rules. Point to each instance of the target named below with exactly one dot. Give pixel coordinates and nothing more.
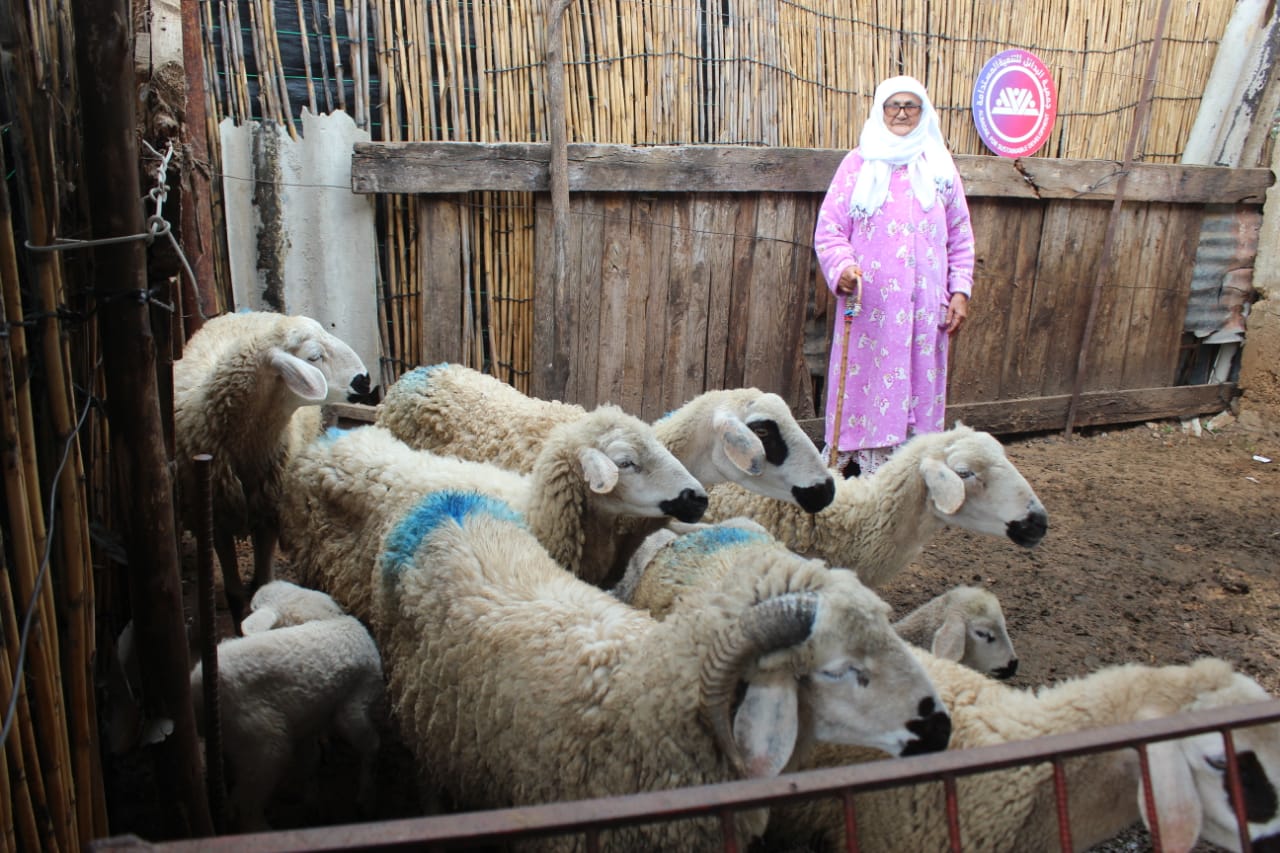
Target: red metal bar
(1237, 790)
(580, 816)
(1060, 797)
(850, 822)
(1149, 798)
(953, 813)
(729, 830)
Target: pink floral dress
(912, 260)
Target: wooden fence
(692, 268)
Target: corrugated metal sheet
(300, 241)
(1222, 280)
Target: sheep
(1014, 809)
(605, 466)
(282, 689)
(879, 525)
(238, 384)
(280, 604)
(742, 435)
(518, 684)
(964, 624)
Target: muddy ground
(1163, 546)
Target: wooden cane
(852, 308)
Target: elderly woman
(894, 243)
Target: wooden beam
(1096, 408)
(450, 167)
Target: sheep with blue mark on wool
(741, 435)
(515, 683)
(879, 525)
(592, 473)
(242, 391)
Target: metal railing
(590, 818)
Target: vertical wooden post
(1140, 116)
(196, 231)
(550, 344)
(104, 55)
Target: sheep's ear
(262, 619)
(766, 725)
(1174, 790)
(948, 640)
(945, 486)
(303, 379)
(743, 448)
(598, 469)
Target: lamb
(879, 525)
(280, 690)
(1014, 809)
(517, 683)
(344, 489)
(280, 604)
(238, 384)
(964, 624)
(742, 435)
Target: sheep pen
(1163, 547)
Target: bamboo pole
(151, 536)
(19, 465)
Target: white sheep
(1015, 809)
(592, 474)
(741, 435)
(878, 525)
(280, 604)
(516, 683)
(280, 690)
(236, 388)
(964, 624)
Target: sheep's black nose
(932, 729)
(1030, 529)
(817, 497)
(1009, 670)
(1270, 844)
(688, 508)
(362, 390)
(361, 383)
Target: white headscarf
(923, 151)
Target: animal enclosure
(692, 268)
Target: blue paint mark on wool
(718, 538)
(428, 514)
(332, 434)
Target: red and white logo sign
(1014, 103)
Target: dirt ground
(1163, 546)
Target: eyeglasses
(892, 108)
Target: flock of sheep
(562, 604)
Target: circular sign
(1014, 103)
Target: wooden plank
(543, 343)
(739, 290)
(642, 266)
(441, 275)
(798, 280)
(582, 325)
(686, 306)
(662, 324)
(1096, 408)
(772, 299)
(1152, 358)
(1112, 324)
(440, 167)
(718, 245)
(1000, 237)
(611, 347)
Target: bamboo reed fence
(662, 72)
